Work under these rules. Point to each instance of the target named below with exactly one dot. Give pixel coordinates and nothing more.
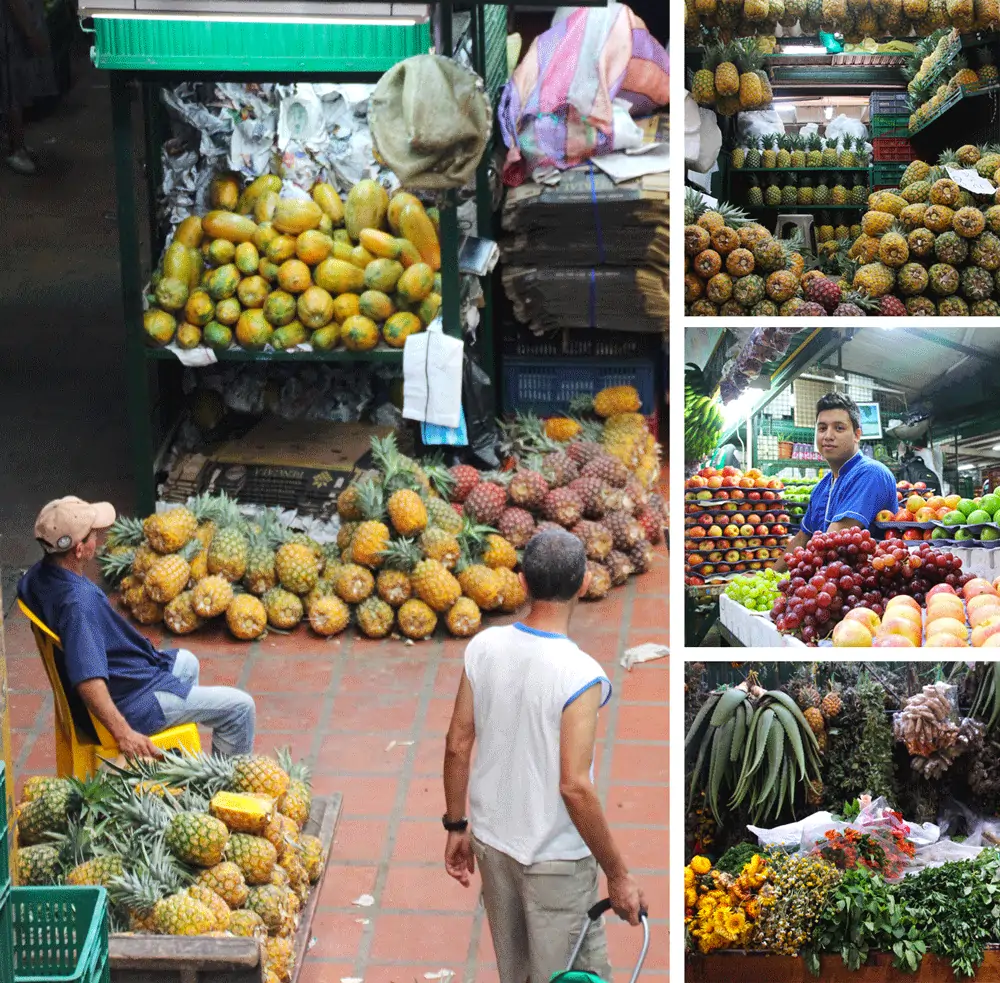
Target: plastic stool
(802, 222)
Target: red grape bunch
(835, 572)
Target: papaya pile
(264, 270)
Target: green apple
(979, 515)
(955, 518)
(990, 503)
(963, 534)
(989, 534)
(966, 505)
(940, 533)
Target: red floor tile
(344, 884)
(625, 944)
(302, 642)
(267, 741)
(646, 683)
(486, 974)
(337, 936)
(41, 758)
(410, 972)
(644, 723)
(429, 757)
(281, 712)
(314, 971)
(425, 798)
(454, 648)
(649, 613)
(23, 709)
(438, 939)
(428, 889)
(420, 840)
(222, 670)
(643, 848)
(26, 675)
(602, 646)
(362, 753)
(638, 804)
(359, 839)
(640, 763)
(363, 796)
(438, 719)
(383, 671)
(306, 675)
(449, 675)
(374, 711)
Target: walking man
(530, 697)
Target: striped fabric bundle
(557, 109)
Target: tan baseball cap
(66, 522)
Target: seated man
(131, 687)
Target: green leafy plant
(862, 915)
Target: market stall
(750, 409)
(836, 135)
(867, 849)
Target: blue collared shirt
(100, 644)
(863, 488)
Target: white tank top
(522, 680)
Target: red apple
(885, 516)
(851, 634)
(866, 617)
(940, 589)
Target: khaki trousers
(536, 914)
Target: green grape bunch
(757, 591)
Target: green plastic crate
(890, 126)
(138, 44)
(60, 934)
(4, 840)
(6, 937)
(887, 175)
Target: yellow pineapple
(297, 566)
(211, 596)
(372, 535)
(170, 531)
(246, 617)
(142, 560)
(284, 609)
(180, 616)
(247, 924)
(394, 587)
(255, 857)
(227, 556)
(329, 616)
(499, 553)
(215, 904)
(296, 803)
(375, 618)
(416, 620)
(354, 583)
(562, 429)
(407, 512)
(282, 833)
(180, 914)
(345, 534)
(226, 880)
(512, 593)
(243, 813)
(617, 399)
(434, 584)
(271, 903)
(464, 619)
(279, 958)
(144, 609)
(482, 584)
(312, 856)
(441, 546)
(347, 504)
(169, 574)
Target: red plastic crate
(893, 149)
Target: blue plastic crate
(889, 103)
(548, 385)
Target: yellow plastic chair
(82, 741)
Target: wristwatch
(455, 825)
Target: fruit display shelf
(961, 95)
(381, 353)
(812, 170)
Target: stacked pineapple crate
(891, 147)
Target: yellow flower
(689, 877)
(753, 909)
(701, 865)
(690, 897)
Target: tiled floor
(370, 717)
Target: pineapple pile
(855, 19)
(937, 71)
(930, 247)
(261, 271)
(191, 845)
(734, 266)
(731, 79)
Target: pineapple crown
(296, 770)
(401, 554)
(125, 531)
(472, 540)
(441, 478)
(371, 500)
(115, 567)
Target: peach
(943, 640)
(892, 642)
(978, 585)
(866, 617)
(945, 609)
(940, 589)
(985, 629)
(894, 624)
(902, 600)
(981, 601)
(851, 633)
(993, 642)
(950, 625)
(977, 617)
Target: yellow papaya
(221, 252)
(224, 191)
(199, 309)
(280, 249)
(345, 306)
(344, 251)
(268, 270)
(437, 283)
(188, 336)
(342, 235)
(339, 277)
(360, 334)
(366, 207)
(429, 308)
(263, 184)
(408, 253)
(360, 257)
(227, 311)
(325, 225)
(247, 258)
(415, 225)
(325, 195)
(399, 201)
(264, 234)
(189, 232)
(253, 331)
(293, 216)
(264, 209)
(197, 267)
(228, 225)
(223, 282)
(171, 293)
(416, 283)
(376, 305)
(326, 338)
(177, 262)
(217, 336)
(159, 326)
(294, 276)
(380, 243)
(435, 216)
(383, 274)
(292, 334)
(315, 308)
(280, 308)
(253, 291)
(399, 327)
(313, 247)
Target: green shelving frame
(143, 55)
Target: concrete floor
(62, 401)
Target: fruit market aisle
(370, 718)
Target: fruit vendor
(530, 697)
(134, 689)
(856, 488)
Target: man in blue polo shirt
(131, 687)
(856, 488)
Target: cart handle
(603, 907)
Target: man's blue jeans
(229, 712)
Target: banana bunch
(755, 746)
(924, 724)
(702, 417)
(986, 705)
(969, 736)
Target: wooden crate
(762, 967)
(166, 959)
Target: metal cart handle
(602, 908)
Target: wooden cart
(166, 959)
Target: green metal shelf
(953, 100)
(129, 44)
(818, 208)
(383, 353)
(831, 169)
